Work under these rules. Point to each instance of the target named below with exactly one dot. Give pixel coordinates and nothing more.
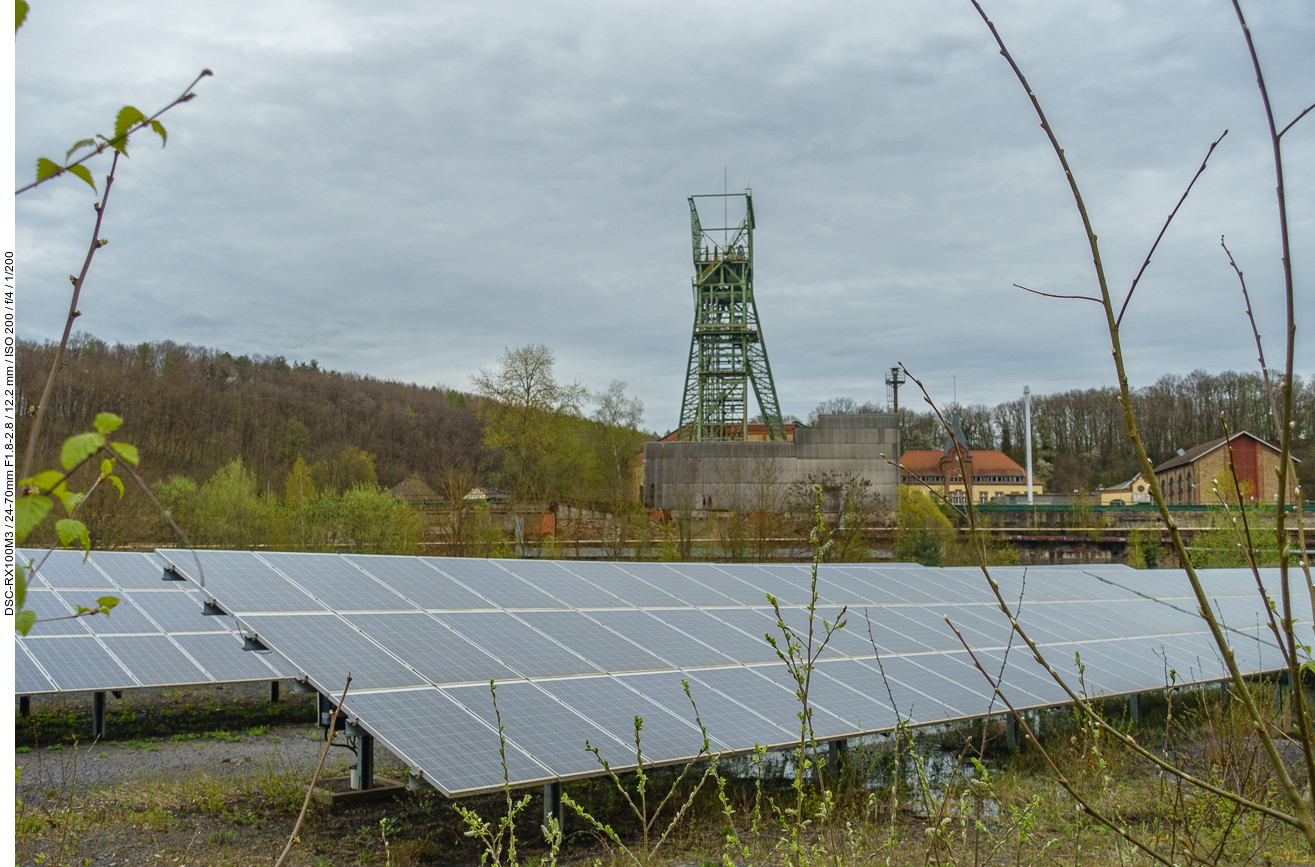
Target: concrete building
(1133, 492)
(760, 476)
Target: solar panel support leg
(363, 773)
(836, 759)
(98, 714)
(552, 806)
(1134, 707)
(273, 691)
(1225, 697)
(24, 705)
(1011, 732)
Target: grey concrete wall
(758, 476)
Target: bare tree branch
(1049, 295)
(1144, 265)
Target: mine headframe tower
(727, 352)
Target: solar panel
(579, 649)
(418, 582)
(613, 706)
(28, 678)
(494, 583)
(335, 582)
(430, 731)
(241, 575)
(143, 633)
(79, 663)
(549, 731)
(731, 725)
(432, 648)
(607, 650)
(515, 643)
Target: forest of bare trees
(1080, 439)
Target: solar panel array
(155, 636)
(580, 648)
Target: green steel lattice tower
(727, 352)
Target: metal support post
(98, 714)
(1225, 697)
(325, 711)
(1134, 707)
(1011, 732)
(273, 691)
(836, 760)
(24, 705)
(363, 771)
(552, 806)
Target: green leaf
(20, 15)
(125, 451)
(47, 481)
(160, 131)
(47, 168)
(77, 146)
(106, 466)
(71, 531)
(80, 447)
(117, 483)
(20, 586)
(107, 602)
(127, 119)
(71, 500)
(84, 173)
(28, 512)
(108, 421)
(23, 621)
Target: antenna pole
(1027, 423)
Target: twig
(1295, 119)
(1050, 295)
(1059, 775)
(310, 790)
(1260, 349)
(1144, 265)
(34, 432)
(187, 96)
(168, 516)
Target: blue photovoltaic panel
(418, 582)
(65, 570)
(827, 689)
(125, 617)
(683, 587)
(457, 751)
(28, 678)
(620, 583)
(130, 571)
(243, 578)
(525, 651)
(336, 582)
(553, 734)
(221, 655)
(776, 702)
(547, 577)
(53, 616)
(646, 629)
(736, 590)
(605, 649)
(432, 648)
(178, 611)
(724, 638)
(154, 660)
(79, 663)
(609, 703)
(494, 583)
(329, 650)
(729, 723)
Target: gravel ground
(47, 772)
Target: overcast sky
(407, 189)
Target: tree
(923, 531)
(525, 412)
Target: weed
(23, 749)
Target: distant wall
(758, 476)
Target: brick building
(1187, 478)
(991, 474)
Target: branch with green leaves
(128, 121)
(46, 488)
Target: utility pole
(1027, 423)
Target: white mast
(1027, 421)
